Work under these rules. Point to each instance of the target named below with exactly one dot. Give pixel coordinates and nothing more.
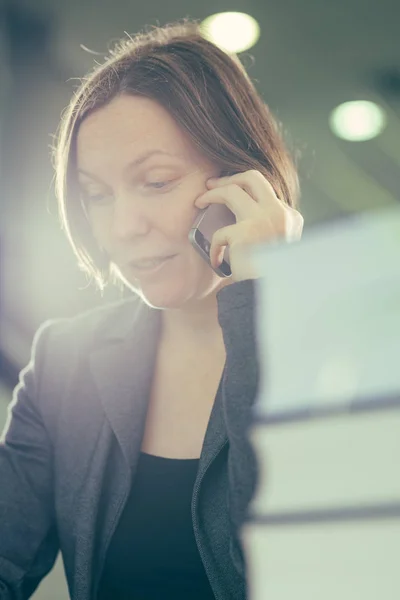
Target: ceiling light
(231, 31)
(357, 121)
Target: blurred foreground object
(325, 519)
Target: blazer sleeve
(28, 535)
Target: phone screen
(208, 221)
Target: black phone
(207, 222)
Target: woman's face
(140, 177)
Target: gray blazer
(73, 437)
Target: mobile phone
(207, 222)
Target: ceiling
(311, 56)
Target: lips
(149, 261)
(147, 258)
(150, 264)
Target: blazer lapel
(122, 368)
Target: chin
(176, 291)
(162, 300)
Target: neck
(196, 322)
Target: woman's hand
(260, 217)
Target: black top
(153, 553)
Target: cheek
(192, 212)
(99, 228)
(180, 223)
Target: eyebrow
(135, 163)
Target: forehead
(126, 128)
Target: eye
(157, 184)
(98, 199)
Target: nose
(130, 217)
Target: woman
(126, 446)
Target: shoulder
(87, 328)
(235, 300)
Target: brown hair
(209, 94)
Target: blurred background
(307, 60)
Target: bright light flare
(231, 31)
(357, 121)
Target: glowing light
(357, 121)
(231, 31)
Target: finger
(220, 240)
(252, 182)
(234, 197)
(295, 228)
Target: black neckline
(166, 458)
